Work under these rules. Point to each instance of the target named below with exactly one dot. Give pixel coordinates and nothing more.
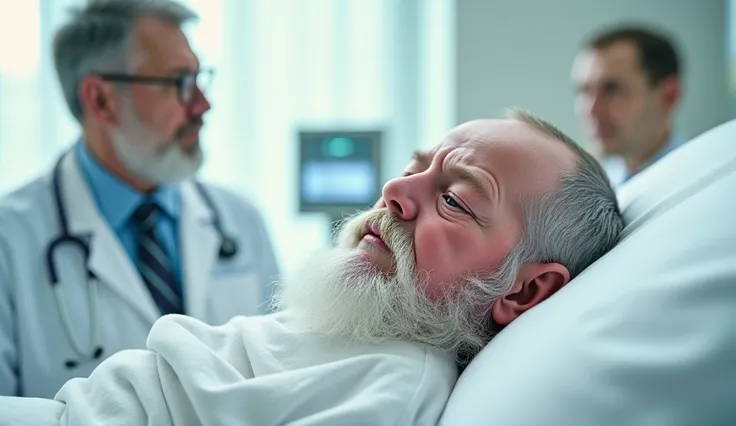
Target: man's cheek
(380, 204)
(428, 255)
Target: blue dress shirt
(616, 169)
(117, 201)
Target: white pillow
(645, 336)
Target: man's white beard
(339, 292)
(136, 145)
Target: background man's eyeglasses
(186, 83)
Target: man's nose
(199, 104)
(400, 198)
(595, 106)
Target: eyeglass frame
(179, 81)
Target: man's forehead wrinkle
(463, 155)
(456, 138)
(488, 137)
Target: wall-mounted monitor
(339, 171)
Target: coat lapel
(108, 259)
(199, 248)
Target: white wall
(520, 53)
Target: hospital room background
(375, 79)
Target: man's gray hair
(578, 222)
(98, 39)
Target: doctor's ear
(98, 99)
(534, 284)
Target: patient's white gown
(250, 371)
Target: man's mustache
(193, 124)
(392, 231)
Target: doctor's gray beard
(339, 292)
(137, 147)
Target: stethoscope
(228, 249)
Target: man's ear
(671, 92)
(534, 283)
(98, 100)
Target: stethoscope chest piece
(228, 248)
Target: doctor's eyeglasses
(186, 83)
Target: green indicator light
(337, 147)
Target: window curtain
(281, 65)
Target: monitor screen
(329, 182)
(339, 171)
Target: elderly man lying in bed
(489, 223)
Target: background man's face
(157, 136)
(619, 108)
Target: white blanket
(250, 371)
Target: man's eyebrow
(421, 157)
(482, 185)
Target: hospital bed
(645, 336)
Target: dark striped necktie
(153, 262)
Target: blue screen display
(338, 182)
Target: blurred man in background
(628, 86)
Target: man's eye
(452, 202)
(611, 89)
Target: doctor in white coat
(117, 234)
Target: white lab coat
(250, 371)
(33, 344)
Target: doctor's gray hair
(98, 39)
(578, 222)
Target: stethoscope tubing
(228, 249)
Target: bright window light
(19, 37)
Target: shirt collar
(116, 199)
(673, 143)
